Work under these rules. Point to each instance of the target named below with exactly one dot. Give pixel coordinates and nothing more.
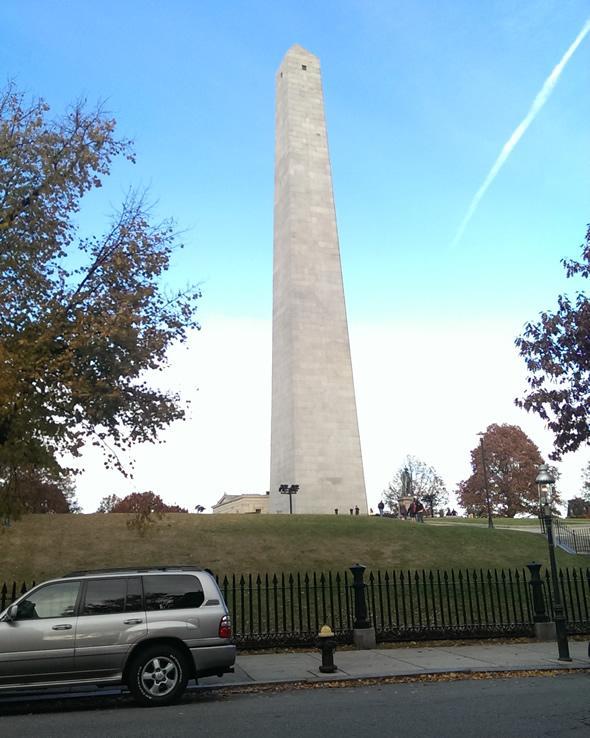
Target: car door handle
(61, 627)
(133, 621)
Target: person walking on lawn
(419, 511)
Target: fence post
(363, 634)
(544, 629)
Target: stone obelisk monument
(314, 433)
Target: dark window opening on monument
(304, 67)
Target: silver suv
(152, 629)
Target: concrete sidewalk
(253, 669)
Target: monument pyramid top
(298, 55)
(299, 52)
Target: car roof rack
(135, 570)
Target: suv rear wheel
(158, 675)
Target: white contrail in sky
(518, 133)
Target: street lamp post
(289, 489)
(545, 482)
(485, 481)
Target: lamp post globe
(545, 484)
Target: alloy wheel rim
(159, 676)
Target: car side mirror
(12, 613)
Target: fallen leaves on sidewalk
(342, 683)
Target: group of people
(415, 511)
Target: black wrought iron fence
(10, 592)
(289, 609)
(573, 539)
(576, 539)
(574, 585)
(449, 604)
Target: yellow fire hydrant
(327, 646)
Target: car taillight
(225, 627)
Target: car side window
(52, 601)
(172, 592)
(104, 596)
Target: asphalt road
(530, 707)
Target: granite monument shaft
(314, 428)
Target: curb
(369, 677)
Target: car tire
(158, 675)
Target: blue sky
(420, 98)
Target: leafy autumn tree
(586, 483)
(44, 493)
(556, 350)
(107, 503)
(578, 507)
(146, 507)
(426, 484)
(512, 461)
(83, 318)
(144, 501)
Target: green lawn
(508, 522)
(41, 546)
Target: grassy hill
(42, 546)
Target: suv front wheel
(158, 675)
